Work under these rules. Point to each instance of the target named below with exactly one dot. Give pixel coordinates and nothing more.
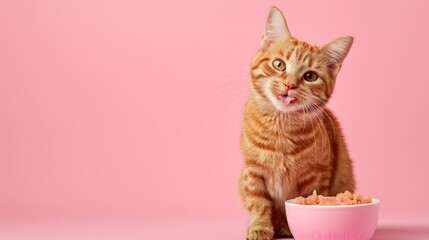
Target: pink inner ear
(266, 42)
(275, 28)
(334, 66)
(338, 49)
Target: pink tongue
(287, 100)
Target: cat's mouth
(287, 99)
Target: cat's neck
(287, 121)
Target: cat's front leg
(260, 226)
(280, 224)
(259, 205)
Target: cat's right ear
(275, 29)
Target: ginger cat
(291, 143)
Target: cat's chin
(293, 108)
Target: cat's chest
(281, 184)
(292, 149)
(286, 166)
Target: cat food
(345, 198)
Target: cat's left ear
(336, 51)
(275, 29)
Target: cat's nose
(290, 85)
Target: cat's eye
(279, 65)
(310, 76)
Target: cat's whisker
(310, 98)
(323, 125)
(314, 134)
(241, 98)
(315, 114)
(326, 114)
(245, 68)
(230, 88)
(303, 128)
(239, 90)
(320, 100)
(320, 129)
(228, 80)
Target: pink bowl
(351, 222)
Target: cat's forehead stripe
(268, 69)
(257, 64)
(310, 62)
(289, 53)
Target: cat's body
(291, 144)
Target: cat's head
(288, 74)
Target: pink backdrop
(131, 109)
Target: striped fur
(289, 151)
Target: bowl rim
(291, 202)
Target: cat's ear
(336, 51)
(275, 29)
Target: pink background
(130, 110)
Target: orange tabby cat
(290, 142)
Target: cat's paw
(260, 232)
